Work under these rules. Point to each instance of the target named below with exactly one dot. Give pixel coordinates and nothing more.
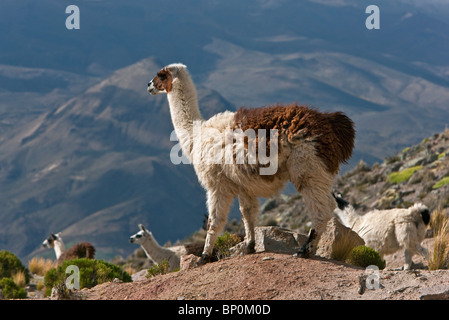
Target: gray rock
(435, 293)
(273, 239)
(336, 232)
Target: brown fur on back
(79, 250)
(333, 133)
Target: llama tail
(344, 130)
(90, 251)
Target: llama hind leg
(317, 192)
(249, 207)
(218, 207)
(320, 206)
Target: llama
(157, 253)
(79, 250)
(308, 147)
(154, 251)
(388, 231)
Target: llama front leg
(408, 259)
(249, 207)
(218, 207)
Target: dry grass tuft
(438, 255)
(343, 246)
(40, 266)
(19, 278)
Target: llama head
(165, 78)
(140, 236)
(50, 241)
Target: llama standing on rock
(306, 147)
(154, 251)
(79, 250)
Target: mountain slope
(97, 166)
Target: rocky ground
(273, 276)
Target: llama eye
(138, 236)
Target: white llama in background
(79, 250)
(388, 231)
(154, 251)
(309, 145)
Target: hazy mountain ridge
(99, 164)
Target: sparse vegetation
(441, 183)
(438, 255)
(10, 265)
(92, 272)
(224, 243)
(10, 290)
(343, 246)
(404, 175)
(160, 268)
(40, 266)
(363, 256)
(19, 278)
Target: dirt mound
(272, 276)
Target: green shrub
(441, 183)
(92, 272)
(364, 256)
(161, 268)
(224, 244)
(404, 175)
(10, 290)
(10, 265)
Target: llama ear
(141, 227)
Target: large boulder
(337, 238)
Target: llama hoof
(303, 252)
(204, 259)
(251, 247)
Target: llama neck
(154, 251)
(349, 217)
(184, 109)
(59, 248)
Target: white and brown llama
(306, 147)
(79, 250)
